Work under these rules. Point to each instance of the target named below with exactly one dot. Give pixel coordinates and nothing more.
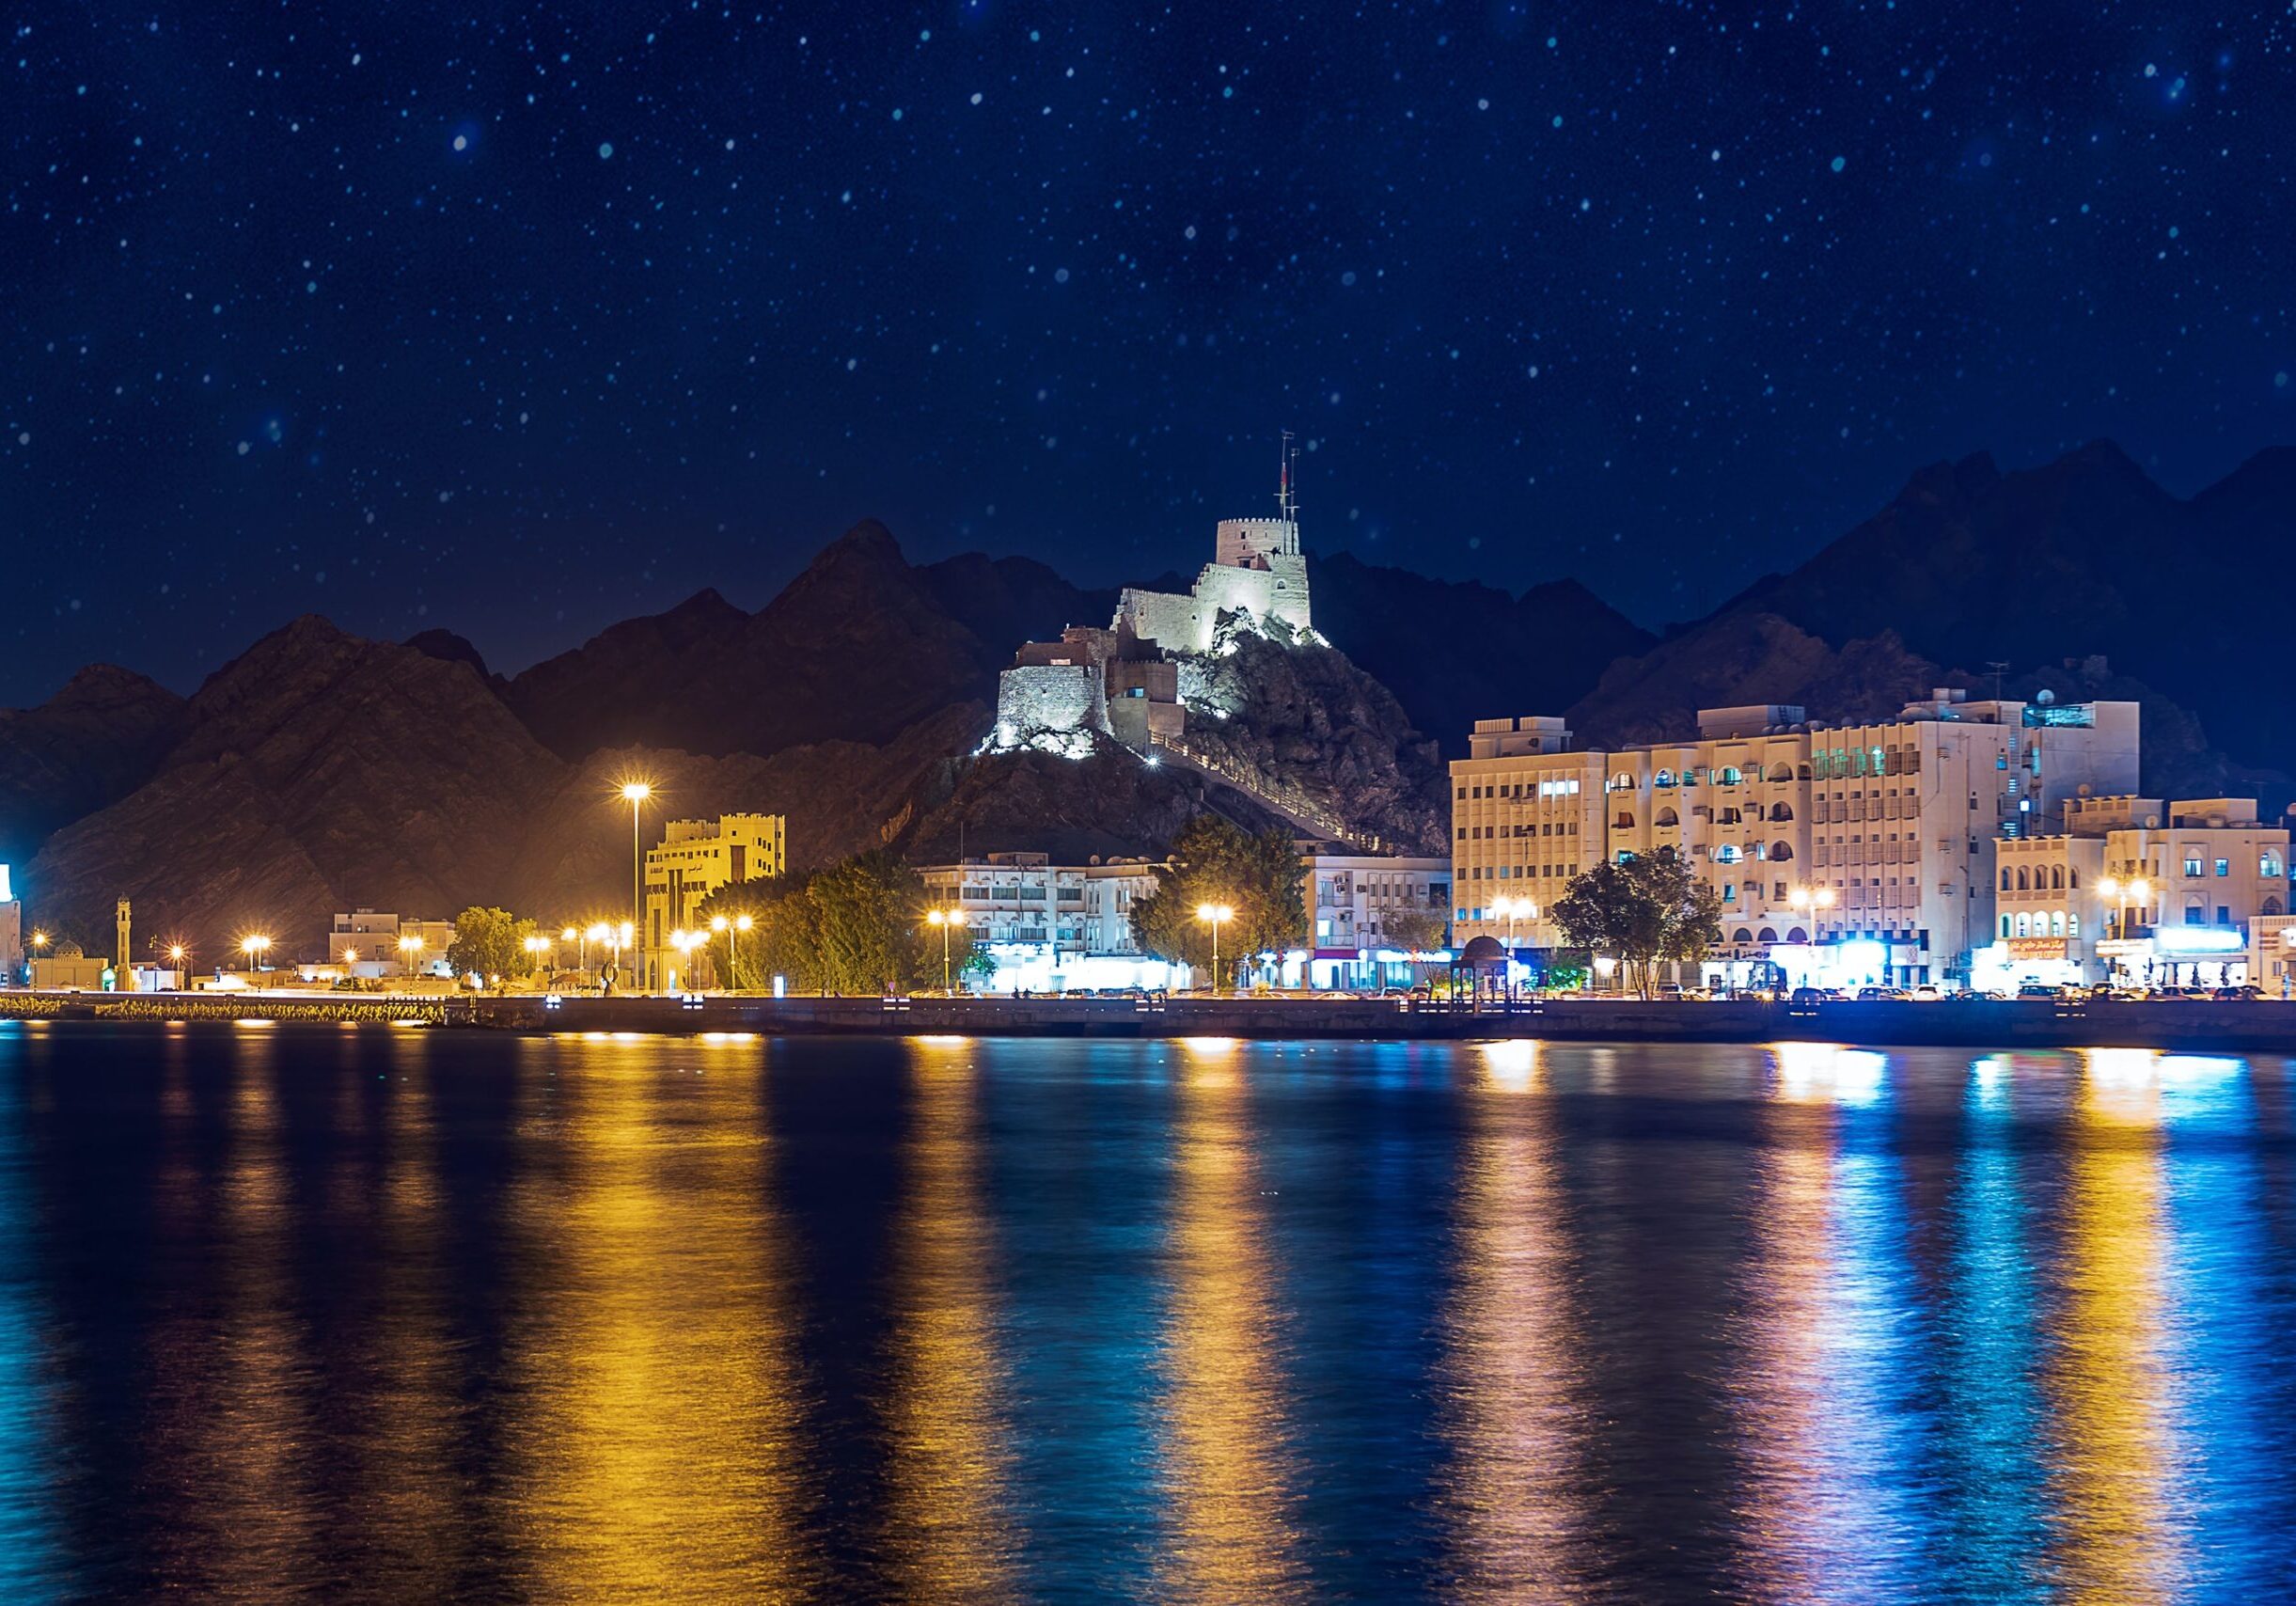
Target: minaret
(123, 967)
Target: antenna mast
(1287, 490)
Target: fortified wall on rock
(1135, 679)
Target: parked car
(1881, 995)
(1928, 992)
(1810, 995)
(2238, 993)
(2039, 990)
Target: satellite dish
(2083, 789)
(2044, 696)
(2152, 822)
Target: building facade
(1838, 854)
(696, 858)
(1362, 911)
(365, 943)
(1049, 927)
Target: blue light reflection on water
(459, 1316)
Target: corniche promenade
(2201, 1026)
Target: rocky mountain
(859, 647)
(315, 766)
(91, 744)
(2084, 556)
(1453, 651)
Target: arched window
(2056, 877)
(1666, 817)
(1767, 933)
(1729, 775)
(1780, 810)
(1622, 782)
(1796, 934)
(2024, 924)
(1727, 817)
(2022, 885)
(2072, 878)
(1781, 772)
(2270, 907)
(1727, 853)
(2004, 925)
(2004, 877)
(2056, 922)
(1801, 772)
(1780, 851)
(1664, 778)
(2072, 925)
(1625, 820)
(1742, 934)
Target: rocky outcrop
(1305, 719)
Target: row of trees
(857, 926)
(1261, 878)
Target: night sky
(524, 324)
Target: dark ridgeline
(319, 771)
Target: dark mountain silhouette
(1453, 651)
(2082, 557)
(859, 647)
(91, 744)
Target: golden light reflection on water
(1227, 1473)
(231, 1412)
(2113, 1456)
(1512, 1384)
(952, 1536)
(659, 1439)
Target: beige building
(1353, 903)
(2210, 869)
(367, 943)
(1841, 853)
(696, 858)
(68, 970)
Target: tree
(1644, 910)
(490, 943)
(853, 927)
(1417, 930)
(1261, 877)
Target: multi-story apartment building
(696, 858)
(1839, 853)
(1361, 912)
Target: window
(2224, 867)
(2192, 861)
(2268, 865)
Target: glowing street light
(410, 952)
(634, 794)
(2134, 891)
(1215, 916)
(948, 920)
(254, 945)
(535, 946)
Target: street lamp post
(1215, 916)
(2136, 890)
(410, 952)
(635, 793)
(623, 935)
(256, 946)
(946, 920)
(1513, 909)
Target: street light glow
(636, 791)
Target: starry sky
(517, 319)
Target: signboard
(2036, 947)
